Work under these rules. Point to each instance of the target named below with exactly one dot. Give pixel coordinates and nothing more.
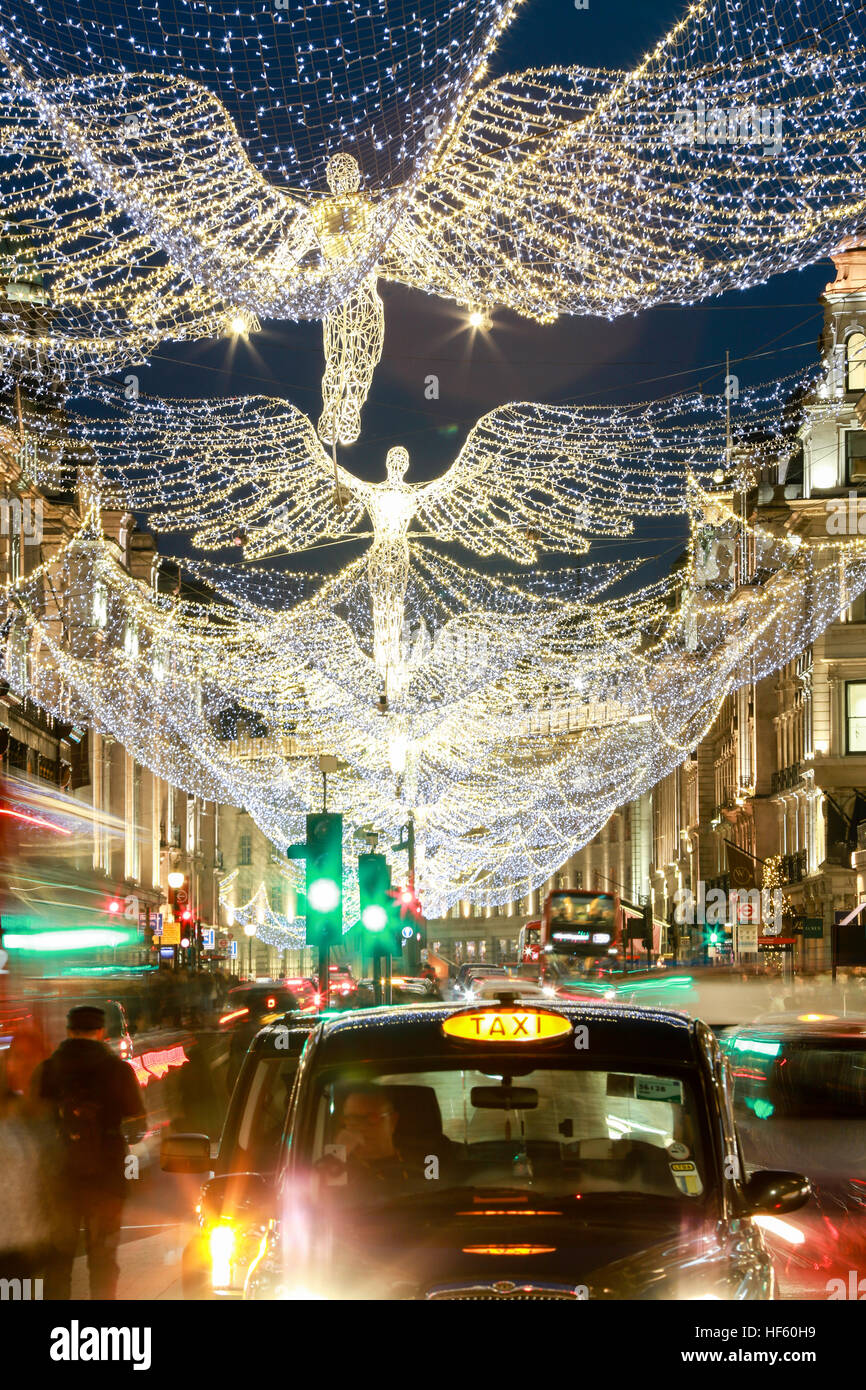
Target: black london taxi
(215, 1260)
(514, 1151)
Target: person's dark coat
(83, 1067)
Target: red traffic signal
(409, 904)
(114, 905)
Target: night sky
(770, 331)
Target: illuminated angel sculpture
(355, 331)
(253, 470)
(162, 205)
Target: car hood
(607, 1255)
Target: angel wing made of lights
(733, 151)
(253, 472)
(252, 469)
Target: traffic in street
(560, 1126)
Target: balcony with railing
(794, 866)
(786, 778)
(727, 794)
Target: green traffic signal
(324, 883)
(374, 886)
(376, 902)
(375, 917)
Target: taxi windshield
(545, 1128)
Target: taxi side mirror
(772, 1190)
(185, 1153)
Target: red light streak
(237, 1013)
(35, 820)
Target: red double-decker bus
(529, 943)
(593, 928)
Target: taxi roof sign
(506, 1025)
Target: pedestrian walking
(90, 1094)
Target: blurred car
(215, 1261)
(341, 984)
(306, 990)
(405, 989)
(800, 1093)
(118, 1034)
(247, 1009)
(491, 1152)
(468, 971)
(418, 988)
(490, 986)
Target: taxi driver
(367, 1124)
(364, 1153)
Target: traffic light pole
(324, 975)
(412, 952)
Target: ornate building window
(855, 716)
(855, 454)
(855, 361)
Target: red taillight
(236, 1013)
(270, 1002)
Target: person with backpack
(90, 1093)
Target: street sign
(747, 936)
(181, 897)
(171, 934)
(157, 924)
(167, 952)
(233, 950)
(208, 938)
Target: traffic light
(410, 905)
(374, 891)
(378, 932)
(411, 919)
(324, 855)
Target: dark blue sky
(770, 331)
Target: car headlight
(222, 1247)
(232, 1249)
